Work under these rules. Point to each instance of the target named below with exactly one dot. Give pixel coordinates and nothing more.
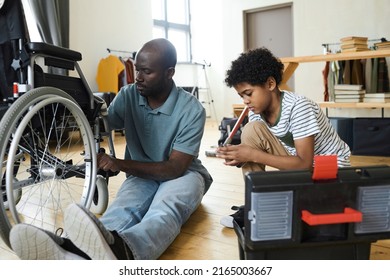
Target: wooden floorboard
(202, 237)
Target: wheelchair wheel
(100, 198)
(17, 196)
(49, 150)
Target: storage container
(290, 215)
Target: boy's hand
(234, 155)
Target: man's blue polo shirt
(152, 134)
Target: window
(171, 20)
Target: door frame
(246, 13)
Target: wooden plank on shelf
(372, 105)
(357, 105)
(337, 56)
(336, 105)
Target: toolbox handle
(348, 216)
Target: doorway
(270, 27)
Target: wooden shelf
(292, 63)
(237, 108)
(358, 105)
(337, 56)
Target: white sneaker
(227, 221)
(88, 233)
(238, 216)
(33, 243)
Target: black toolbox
(290, 215)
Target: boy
(285, 130)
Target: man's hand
(107, 163)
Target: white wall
(96, 25)
(218, 35)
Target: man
(165, 181)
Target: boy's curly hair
(254, 67)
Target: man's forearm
(159, 171)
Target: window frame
(167, 26)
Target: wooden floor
(202, 237)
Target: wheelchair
(50, 134)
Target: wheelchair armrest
(56, 51)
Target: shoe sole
(84, 232)
(227, 221)
(32, 243)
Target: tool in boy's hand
(236, 126)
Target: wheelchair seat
(28, 65)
